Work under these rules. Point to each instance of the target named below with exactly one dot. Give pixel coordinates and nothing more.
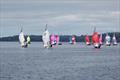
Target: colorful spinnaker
(52, 39)
(87, 40)
(95, 40)
(57, 39)
(73, 40)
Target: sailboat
(58, 40)
(46, 38)
(100, 39)
(22, 39)
(114, 41)
(52, 39)
(70, 40)
(87, 40)
(107, 40)
(95, 39)
(28, 40)
(73, 40)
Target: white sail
(28, 40)
(114, 40)
(22, 39)
(107, 39)
(46, 38)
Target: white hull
(87, 43)
(97, 45)
(115, 43)
(46, 45)
(108, 43)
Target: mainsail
(114, 40)
(22, 38)
(46, 38)
(107, 39)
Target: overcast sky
(62, 16)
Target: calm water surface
(65, 62)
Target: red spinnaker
(87, 38)
(95, 37)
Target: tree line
(63, 38)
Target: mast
(46, 27)
(21, 29)
(94, 29)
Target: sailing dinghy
(46, 38)
(22, 39)
(95, 39)
(28, 40)
(114, 41)
(100, 39)
(107, 40)
(87, 40)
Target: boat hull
(108, 44)
(97, 45)
(24, 46)
(87, 43)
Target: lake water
(63, 62)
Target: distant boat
(46, 38)
(107, 40)
(114, 41)
(28, 40)
(87, 40)
(95, 39)
(100, 39)
(22, 39)
(58, 40)
(72, 40)
(53, 39)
